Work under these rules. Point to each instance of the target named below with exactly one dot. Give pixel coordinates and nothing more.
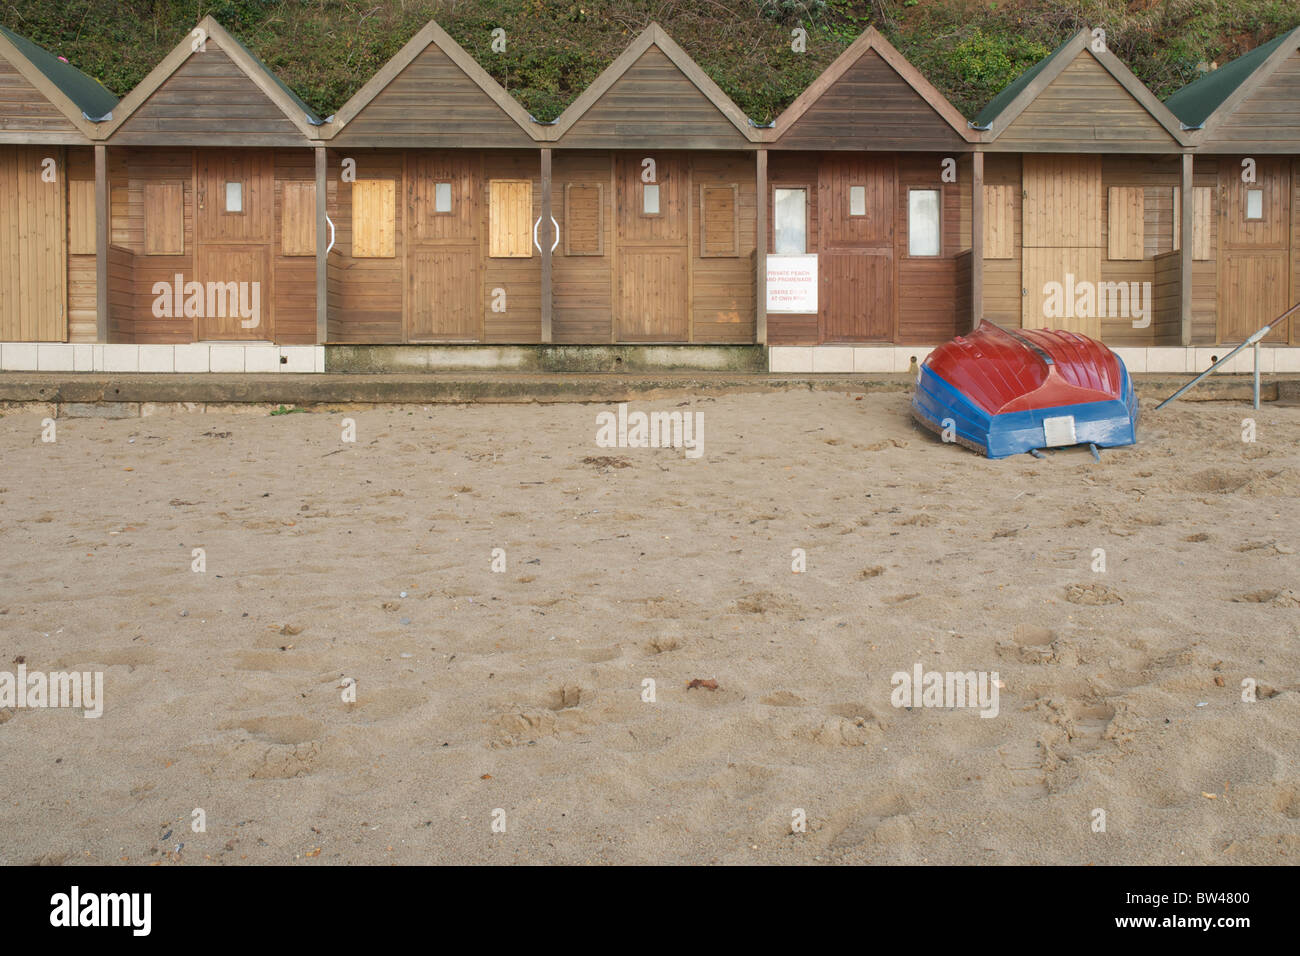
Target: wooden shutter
(584, 219)
(81, 217)
(374, 219)
(510, 217)
(298, 219)
(719, 221)
(999, 222)
(1202, 222)
(164, 219)
(1126, 215)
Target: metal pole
(1256, 376)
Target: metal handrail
(1254, 340)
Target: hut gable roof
(39, 93)
(871, 97)
(1079, 100)
(395, 109)
(210, 90)
(653, 96)
(1251, 103)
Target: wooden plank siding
(24, 109)
(653, 106)
(871, 107)
(403, 114)
(1084, 108)
(208, 98)
(1266, 121)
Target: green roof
(1196, 101)
(90, 96)
(1004, 99)
(311, 114)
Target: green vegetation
(326, 49)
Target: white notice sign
(792, 284)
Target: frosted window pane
(1254, 204)
(650, 199)
(234, 197)
(923, 222)
(442, 197)
(790, 226)
(857, 200)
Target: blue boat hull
(938, 405)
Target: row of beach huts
(211, 205)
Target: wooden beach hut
(867, 181)
(213, 180)
(1084, 187)
(654, 195)
(49, 116)
(1243, 121)
(437, 198)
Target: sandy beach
(485, 696)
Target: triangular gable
(43, 97)
(1080, 100)
(1249, 104)
(210, 90)
(653, 96)
(395, 107)
(870, 98)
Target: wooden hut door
(1255, 241)
(234, 225)
(33, 245)
(1061, 225)
(444, 209)
(857, 197)
(653, 249)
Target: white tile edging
(160, 359)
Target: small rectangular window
(234, 197)
(790, 222)
(442, 197)
(649, 199)
(857, 200)
(923, 222)
(1254, 204)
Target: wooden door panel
(1253, 293)
(857, 296)
(33, 247)
(1067, 268)
(652, 296)
(444, 295)
(1062, 201)
(236, 283)
(667, 227)
(877, 175)
(254, 170)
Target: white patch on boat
(1059, 431)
